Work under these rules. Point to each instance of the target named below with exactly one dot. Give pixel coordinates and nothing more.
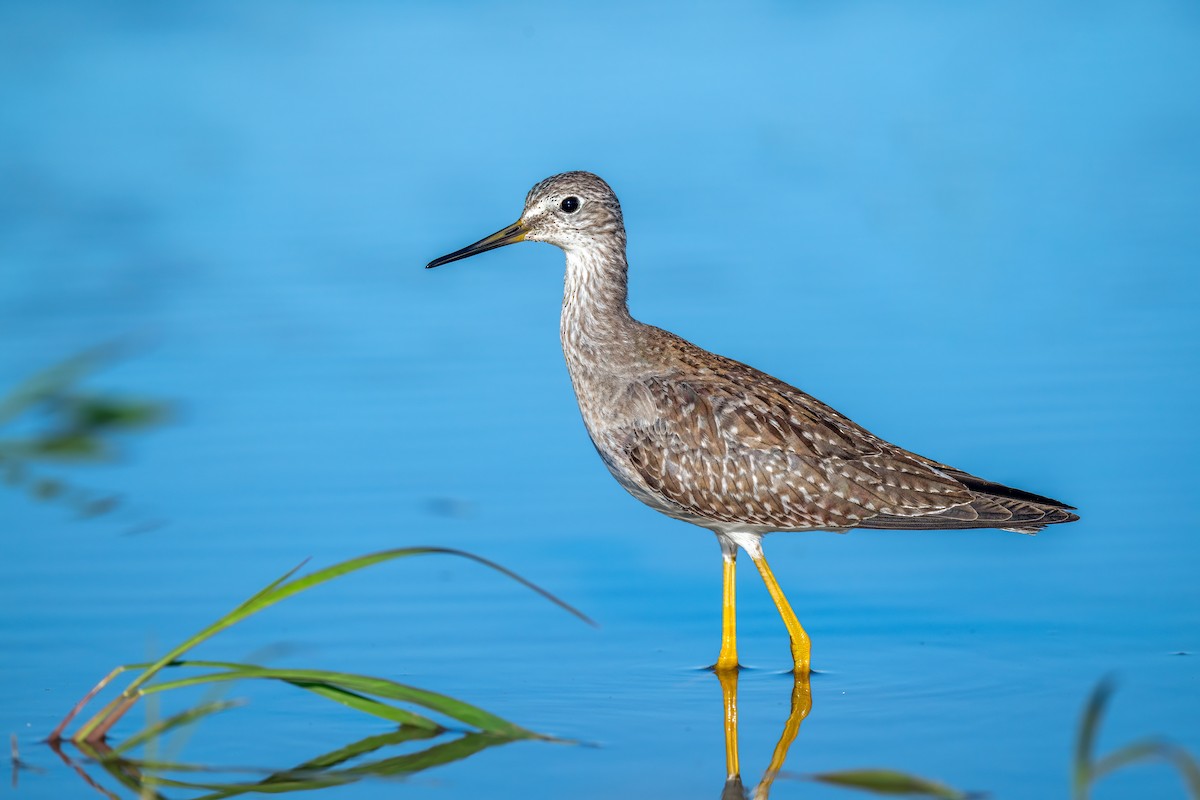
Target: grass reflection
(147, 779)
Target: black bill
(510, 235)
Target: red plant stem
(56, 734)
(124, 704)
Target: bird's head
(572, 211)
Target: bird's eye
(570, 205)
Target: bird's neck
(595, 313)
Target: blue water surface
(970, 227)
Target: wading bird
(714, 442)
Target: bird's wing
(764, 453)
(993, 505)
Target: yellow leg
(801, 649)
(728, 659)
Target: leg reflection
(801, 705)
(733, 772)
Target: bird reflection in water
(801, 704)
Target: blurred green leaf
(1085, 741)
(91, 413)
(886, 781)
(75, 446)
(1152, 750)
(96, 506)
(1086, 769)
(51, 382)
(47, 488)
(70, 425)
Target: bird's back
(713, 441)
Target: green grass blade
(282, 589)
(270, 587)
(886, 781)
(443, 704)
(56, 734)
(176, 721)
(337, 570)
(244, 609)
(287, 586)
(360, 684)
(367, 705)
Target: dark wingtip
(986, 487)
(1057, 516)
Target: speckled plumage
(715, 442)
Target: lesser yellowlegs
(711, 441)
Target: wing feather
(766, 457)
(736, 446)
